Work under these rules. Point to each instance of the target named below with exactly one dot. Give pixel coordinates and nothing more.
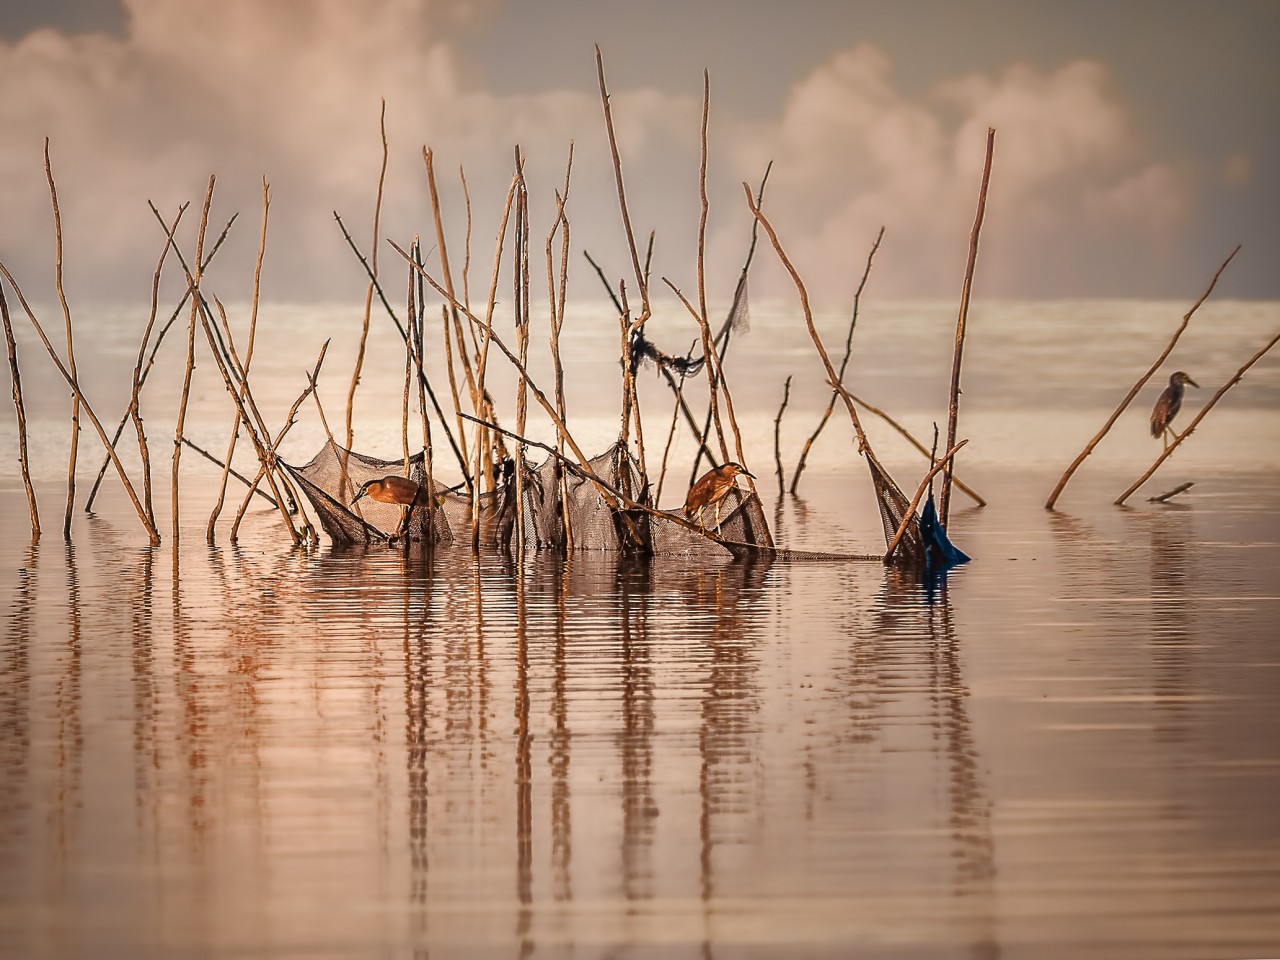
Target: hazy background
(1137, 142)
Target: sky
(1136, 143)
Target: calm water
(1070, 748)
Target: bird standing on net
(395, 489)
(1167, 406)
(711, 488)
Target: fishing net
(562, 507)
(893, 505)
(332, 477)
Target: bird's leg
(717, 513)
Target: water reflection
(419, 752)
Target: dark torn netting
(893, 506)
(553, 493)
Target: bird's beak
(1192, 382)
(748, 473)
(356, 497)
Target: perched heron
(712, 487)
(1167, 406)
(395, 489)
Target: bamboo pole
(1166, 497)
(777, 434)
(229, 366)
(915, 501)
(1236, 378)
(556, 296)
(520, 282)
(724, 336)
(141, 372)
(480, 446)
(1133, 392)
(562, 429)
(194, 283)
(442, 250)
(419, 340)
(270, 464)
(844, 365)
(84, 405)
(248, 359)
(944, 498)
(404, 333)
(808, 319)
(20, 411)
(368, 296)
(135, 394)
(699, 435)
(71, 352)
(622, 194)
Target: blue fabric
(939, 552)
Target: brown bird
(394, 489)
(712, 487)
(1168, 405)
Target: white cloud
(291, 91)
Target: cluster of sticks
(234, 370)
(468, 337)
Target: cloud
(292, 92)
(854, 153)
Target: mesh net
(554, 496)
(894, 505)
(331, 478)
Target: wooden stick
(71, 352)
(308, 531)
(622, 195)
(1166, 497)
(915, 501)
(228, 366)
(944, 498)
(234, 474)
(21, 411)
(142, 372)
(248, 359)
(368, 296)
(556, 296)
(1133, 392)
(910, 438)
(520, 282)
(423, 381)
(833, 378)
(844, 365)
(1236, 378)
(725, 335)
(561, 428)
(777, 434)
(447, 275)
(480, 450)
(194, 283)
(84, 405)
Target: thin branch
(844, 365)
(777, 434)
(1133, 392)
(71, 352)
(910, 514)
(21, 411)
(1236, 378)
(953, 412)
